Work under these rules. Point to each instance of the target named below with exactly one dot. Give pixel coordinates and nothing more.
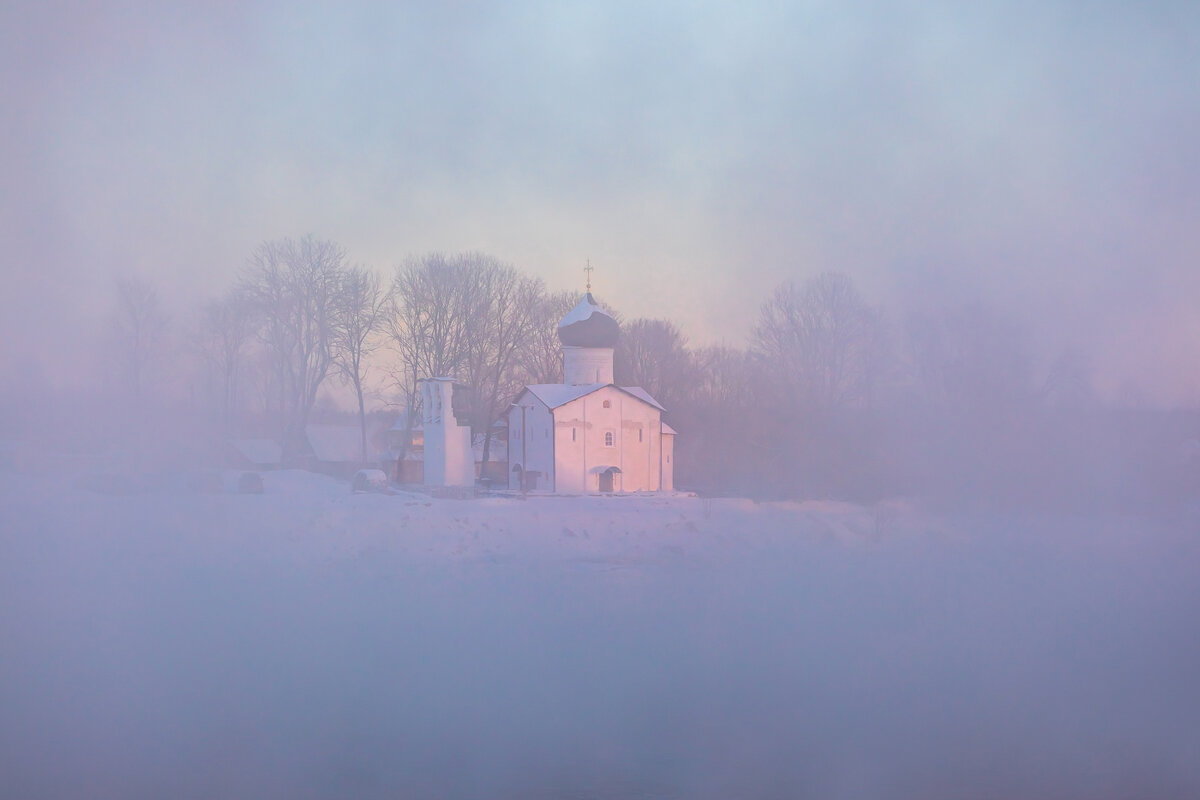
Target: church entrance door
(606, 479)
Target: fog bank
(319, 644)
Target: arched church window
(609, 438)
(608, 403)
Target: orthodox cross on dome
(588, 269)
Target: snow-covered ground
(312, 642)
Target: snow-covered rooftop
(558, 394)
(641, 394)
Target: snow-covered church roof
(641, 394)
(557, 394)
(588, 325)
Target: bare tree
(971, 358)
(428, 324)
(653, 354)
(222, 337)
(504, 321)
(722, 412)
(140, 326)
(294, 287)
(728, 378)
(541, 357)
(822, 341)
(362, 307)
(469, 316)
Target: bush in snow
(250, 483)
(370, 480)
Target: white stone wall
(582, 365)
(581, 447)
(534, 443)
(668, 462)
(448, 457)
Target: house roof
(668, 430)
(558, 394)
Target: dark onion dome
(588, 325)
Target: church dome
(588, 325)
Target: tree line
(832, 395)
(301, 314)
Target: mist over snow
(913, 284)
(310, 642)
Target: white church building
(588, 435)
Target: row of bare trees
(472, 317)
(801, 406)
(301, 314)
(834, 396)
(298, 314)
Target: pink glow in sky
(1039, 157)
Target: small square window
(608, 403)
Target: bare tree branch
(362, 307)
(140, 325)
(822, 342)
(294, 286)
(222, 337)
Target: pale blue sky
(1038, 156)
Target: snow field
(311, 642)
